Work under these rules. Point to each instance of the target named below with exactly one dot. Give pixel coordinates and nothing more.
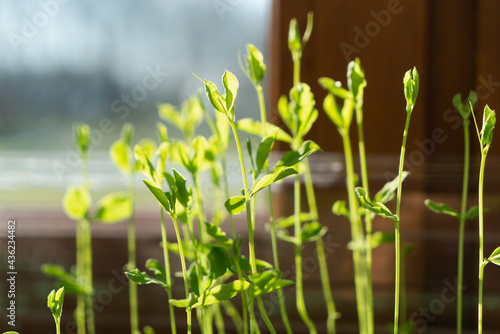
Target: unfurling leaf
(411, 85)
(375, 207)
(114, 208)
(255, 64)
(387, 192)
(159, 194)
(489, 120)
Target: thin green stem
(397, 238)
(274, 239)
(357, 236)
(80, 272)
(199, 211)
(482, 263)
(320, 249)
(168, 277)
(250, 225)
(368, 223)
(296, 67)
(133, 301)
(301, 306)
(87, 254)
(463, 218)
(87, 236)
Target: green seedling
(485, 137)
(55, 304)
(465, 110)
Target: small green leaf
(332, 110)
(219, 235)
(219, 261)
(184, 303)
(292, 158)
(127, 133)
(68, 280)
(489, 120)
(411, 85)
(441, 208)
(495, 257)
(82, 137)
(378, 238)
(140, 278)
(113, 208)
(313, 231)
(286, 113)
(217, 101)
(294, 38)
(255, 64)
(250, 126)
(162, 132)
(221, 292)
(290, 220)
(121, 154)
(335, 88)
(76, 202)
(182, 193)
(169, 113)
(267, 282)
(155, 266)
(356, 81)
(159, 194)
(231, 87)
(387, 192)
(264, 149)
(235, 204)
(473, 213)
(148, 169)
(269, 179)
(375, 207)
(339, 208)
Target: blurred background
(107, 63)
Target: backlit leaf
(269, 179)
(495, 257)
(441, 208)
(76, 202)
(113, 208)
(235, 204)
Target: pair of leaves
(193, 157)
(236, 204)
(465, 110)
(299, 114)
(225, 104)
(296, 42)
(342, 118)
(377, 208)
(55, 302)
(186, 119)
(495, 257)
(112, 208)
(178, 192)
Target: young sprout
(55, 304)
